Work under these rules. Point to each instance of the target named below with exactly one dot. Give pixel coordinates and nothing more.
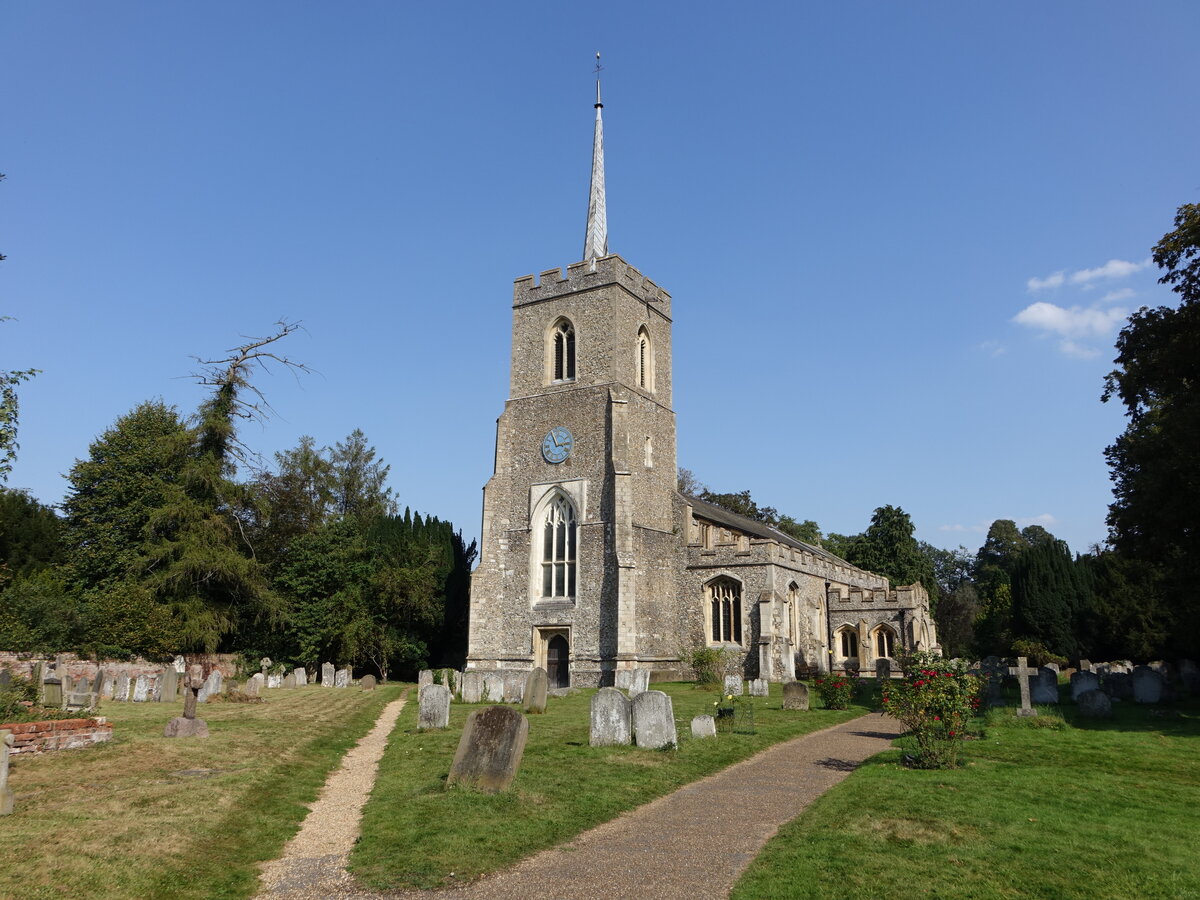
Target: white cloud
(993, 348)
(1077, 350)
(1071, 322)
(1050, 281)
(1122, 294)
(982, 526)
(1045, 520)
(1114, 268)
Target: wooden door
(557, 667)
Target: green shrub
(836, 691)
(707, 665)
(934, 701)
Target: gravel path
(691, 844)
(313, 864)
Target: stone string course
(58, 734)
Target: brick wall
(58, 734)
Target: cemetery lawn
(145, 816)
(419, 833)
(1089, 809)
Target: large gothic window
(558, 550)
(725, 611)
(562, 362)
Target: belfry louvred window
(558, 550)
(564, 352)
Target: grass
(149, 817)
(1056, 807)
(418, 833)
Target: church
(591, 561)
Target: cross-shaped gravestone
(263, 665)
(1022, 672)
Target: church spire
(595, 244)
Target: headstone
(639, 681)
(274, 681)
(759, 688)
(514, 686)
(169, 689)
(108, 686)
(1044, 688)
(622, 679)
(254, 685)
(1147, 685)
(1158, 665)
(1083, 681)
(141, 689)
(52, 693)
(1189, 674)
(450, 680)
(493, 688)
(1094, 704)
(537, 683)
(1085, 665)
(342, 678)
(490, 749)
(289, 681)
(994, 669)
(179, 664)
(328, 674)
(1068, 672)
(704, 727)
(472, 687)
(1118, 685)
(121, 691)
(654, 720)
(263, 665)
(301, 676)
(5, 679)
(1021, 671)
(795, 695)
(734, 685)
(1054, 666)
(211, 686)
(188, 725)
(883, 667)
(611, 718)
(434, 709)
(68, 684)
(424, 677)
(6, 793)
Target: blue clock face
(557, 445)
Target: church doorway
(558, 666)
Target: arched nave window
(725, 611)
(558, 549)
(885, 641)
(848, 642)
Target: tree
(30, 534)
(359, 479)
(1051, 597)
(888, 548)
(742, 504)
(1152, 517)
(807, 531)
(689, 484)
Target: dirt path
(691, 845)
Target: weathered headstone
(328, 674)
(1021, 671)
(490, 749)
(52, 692)
(342, 679)
(611, 718)
(795, 695)
(1118, 685)
(759, 688)
(6, 793)
(368, 682)
(141, 689)
(289, 681)
(121, 690)
(654, 720)
(5, 679)
(704, 727)
(493, 688)
(883, 667)
(108, 686)
(1044, 688)
(212, 685)
(168, 689)
(472, 687)
(275, 681)
(622, 678)
(1085, 665)
(537, 682)
(1147, 685)
(1054, 666)
(514, 686)
(1082, 682)
(254, 684)
(301, 676)
(1094, 703)
(434, 711)
(424, 677)
(734, 685)
(639, 680)
(188, 725)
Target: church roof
(722, 516)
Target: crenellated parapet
(586, 276)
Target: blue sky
(900, 238)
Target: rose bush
(934, 701)
(836, 691)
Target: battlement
(586, 276)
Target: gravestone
(141, 689)
(179, 664)
(622, 679)
(472, 687)
(654, 720)
(994, 669)
(639, 681)
(342, 678)
(108, 686)
(434, 709)
(424, 677)
(795, 695)
(368, 682)
(6, 793)
(450, 679)
(1021, 671)
(211, 686)
(328, 674)
(1147, 685)
(734, 685)
(704, 727)
(274, 681)
(1083, 681)
(1094, 704)
(537, 683)
(1044, 688)
(188, 725)
(68, 684)
(883, 668)
(5, 679)
(493, 688)
(289, 681)
(514, 686)
(1085, 665)
(759, 688)
(1118, 685)
(263, 665)
(121, 690)
(260, 680)
(611, 718)
(490, 749)
(1158, 665)
(1189, 675)
(52, 693)
(301, 676)
(1054, 666)
(169, 689)
(253, 685)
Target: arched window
(645, 360)
(562, 360)
(885, 642)
(848, 641)
(792, 622)
(649, 453)
(725, 611)
(558, 550)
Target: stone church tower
(580, 546)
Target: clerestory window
(725, 611)
(563, 361)
(558, 550)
